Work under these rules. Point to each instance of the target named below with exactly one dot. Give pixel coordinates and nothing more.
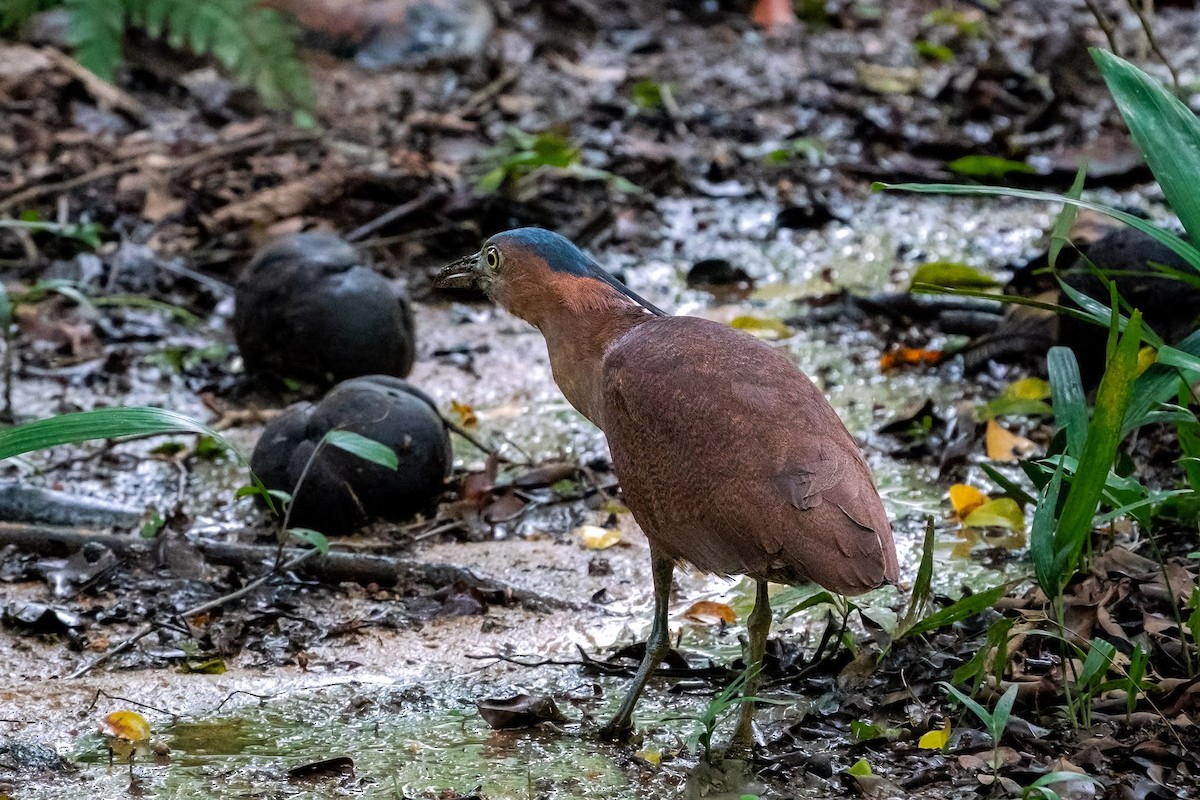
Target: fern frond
(253, 43)
(14, 13)
(96, 30)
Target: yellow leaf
(860, 769)
(710, 613)
(1027, 389)
(127, 725)
(1003, 512)
(761, 327)
(1003, 445)
(964, 499)
(936, 740)
(466, 414)
(649, 756)
(1146, 357)
(593, 537)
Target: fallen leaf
(519, 711)
(129, 726)
(883, 79)
(936, 739)
(466, 414)
(649, 756)
(860, 769)
(763, 328)
(964, 499)
(710, 613)
(951, 274)
(1025, 397)
(1003, 445)
(909, 357)
(1003, 512)
(593, 537)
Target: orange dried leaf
(129, 726)
(710, 613)
(964, 499)
(909, 357)
(1003, 445)
(465, 413)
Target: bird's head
(529, 269)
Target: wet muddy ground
(390, 675)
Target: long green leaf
(1067, 397)
(1183, 249)
(930, 288)
(1165, 131)
(964, 608)
(1156, 385)
(1041, 535)
(368, 449)
(1174, 357)
(1104, 434)
(103, 423)
(1061, 234)
(1102, 315)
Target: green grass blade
(1061, 234)
(1177, 245)
(103, 423)
(1041, 536)
(1104, 434)
(1067, 397)
(1156, 385)
(1165, 131)
(1002, 712)
(921, 593)
(1010, 487)
(368, 449)
(1100, 314)
(966, 607)
(930, 288)
(979, 711)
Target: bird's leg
(758, 626)
(621, 725)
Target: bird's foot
(616, 731)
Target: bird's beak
(461, 274)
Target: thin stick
(1140, 10)
(1106, 25)
(399, 212)
(107, 93)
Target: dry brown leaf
(286, 200)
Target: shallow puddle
(403, 741)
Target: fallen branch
(105, 93)
(208, 155)
(418, 203)
(333, 567)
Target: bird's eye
(491, 257)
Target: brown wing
(730, 458)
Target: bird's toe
(616, 731)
